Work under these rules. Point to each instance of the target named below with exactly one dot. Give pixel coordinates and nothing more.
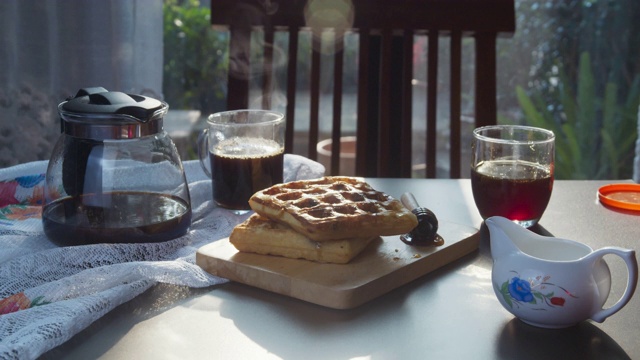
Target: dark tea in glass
(512, 171)
(516, 190)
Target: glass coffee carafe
(115, 175)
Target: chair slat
(385, 146)
(363, 150)
(432, 101)
(406, 131)
(336, 132)
(486, 108)
(314, 92)
(238, 83)
(455, 104)
(267, 71)
(292, 63)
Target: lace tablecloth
(49, 293)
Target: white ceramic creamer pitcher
(551, 282)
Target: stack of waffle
(331, 219)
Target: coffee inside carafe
(113, 217)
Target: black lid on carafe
(99, 114)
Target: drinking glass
(242, 151)
(512, 171)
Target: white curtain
(49, 49)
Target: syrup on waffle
(334, 207)
(264, 236)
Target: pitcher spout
(502, 233)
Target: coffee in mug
(245, 150)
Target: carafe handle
(629, 257)
(203, 151)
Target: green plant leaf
(530, 112)
(610, 154)
(575, 155)
(595, 129)
(568, 101)
(586, 129)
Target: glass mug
(242, 151)
(512, 171)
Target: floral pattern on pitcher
(534, 291)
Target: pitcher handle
(203, 150)
(629, 257)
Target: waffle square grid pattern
(334, 208)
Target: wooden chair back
(386, 31)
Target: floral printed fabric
(21, 198)
(49, 293)
(19, 302)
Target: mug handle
(629, 257)
(203, 150)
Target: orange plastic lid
(622, 196)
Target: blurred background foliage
(580, 77)
(572, 66)
(195, 58)
(595, 134)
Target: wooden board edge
(353, 298)
(341, 299)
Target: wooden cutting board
(384, 265)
